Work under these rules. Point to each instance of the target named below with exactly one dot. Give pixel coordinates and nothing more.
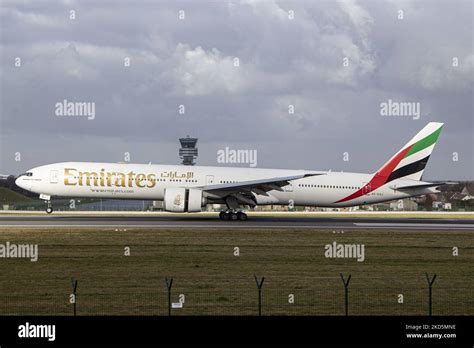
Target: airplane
(190, 188)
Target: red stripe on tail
(379, 178)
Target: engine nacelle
(181, 200)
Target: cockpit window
(27, 174)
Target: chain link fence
(236, 302)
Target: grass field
(10, 197)
(215, 281)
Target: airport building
(188, 151)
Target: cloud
(267, 8)
(201, 73)
(360, 18)
(283, 60)
(37, 20)
(418, 49)
(447, 77)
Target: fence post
(169, 284)
(259, 286)
(430, 292)
(346, 291)
(74, 294)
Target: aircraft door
(53, 176)
(209, 180)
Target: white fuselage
(148, 182)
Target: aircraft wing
(261, 186)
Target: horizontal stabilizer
(417, 186)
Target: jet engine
(181, 200)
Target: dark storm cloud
(191, 62)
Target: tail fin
(410, 161)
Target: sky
(301, 84)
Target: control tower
(188, 151)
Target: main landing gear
(232, 215)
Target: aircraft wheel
(242, 216)
(223, 215)
(234, 216)
(49, 210)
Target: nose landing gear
(47, 199)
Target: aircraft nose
(24, 184)
(19, 182)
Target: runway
(254, 222)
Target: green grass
(214, 281)
(11, 197)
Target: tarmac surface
(255, 222)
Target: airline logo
(416, 157)
(74, 177)
(411, 160)
(177, 200)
